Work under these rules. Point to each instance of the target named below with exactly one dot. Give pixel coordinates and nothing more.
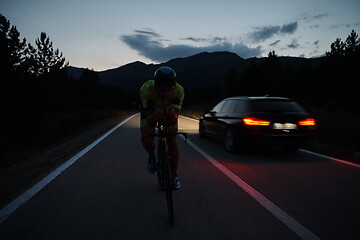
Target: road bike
(162, 162)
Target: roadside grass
(338, 133)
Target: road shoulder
(18, 177)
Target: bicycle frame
(162, 133)
(163, 164)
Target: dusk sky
(111, 33)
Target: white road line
(330, 158)
(294, 225)
(23, 198)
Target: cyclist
(157, 95)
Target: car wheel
(202, 132)
(230, 140)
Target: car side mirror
(212, 113)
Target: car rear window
(275, 106)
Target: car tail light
(307, 122)
(256, 122)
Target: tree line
(330, 81)
(38, 97)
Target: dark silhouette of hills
(198, 71)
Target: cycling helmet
(165, 79)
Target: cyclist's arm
(177, 103)
(147, 109)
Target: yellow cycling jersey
(151, 99)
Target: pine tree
(352, 44)
(350, 47)
(337, 48)
(11, 47)
(44, 59)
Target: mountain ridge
(196, 71)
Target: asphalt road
(108, 194)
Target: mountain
(203, 69)
(74, 72)
(129, 77)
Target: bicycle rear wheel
(164, 177)
(161, 153)
(168, 190)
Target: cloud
(289, 28)
(194, 39)
(150, 32)
(274, 43)
(315, 17)
(149, 45)
(347, 25)
(205, 40)
(315, 26)
(266, 32)
(294, 44)
(263, 33)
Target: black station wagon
(258, 121)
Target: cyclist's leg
(173, 149)
(148, 142)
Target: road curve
(108, 194)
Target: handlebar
(165, 134)
(162, 127)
